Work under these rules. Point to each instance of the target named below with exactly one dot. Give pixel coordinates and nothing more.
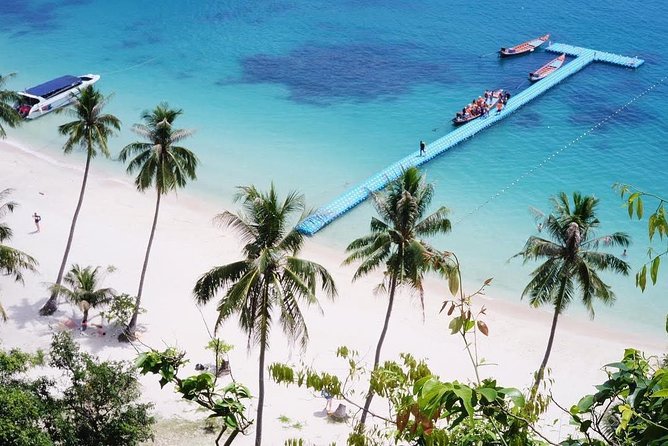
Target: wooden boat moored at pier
(547, 69)
(523, 48)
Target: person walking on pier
(423, 147)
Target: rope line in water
(131, 67)
(557, 152)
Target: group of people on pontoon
(481, 106)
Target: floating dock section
(599, 56)
(351, 198)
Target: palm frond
(8, 206)
(218, 278)
(434, 224)
(373, 260)
(544, 280)
(14, 262)
(8, 115)
(90, 130)
(612, 240)
(291, 317)
(158, 160)
(271, 275)
(606, 262)
(242, 296)
(314, 274)
(537, 248)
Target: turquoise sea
(317, 96)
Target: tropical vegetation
(225, 404)
(81, 287)
(656, 225)
(629, 408)
(269, 278)
(572, 262)
(89, 130)
(83, 401)
(13, 262)
(8, 115)
(161, 163)
(395, 243)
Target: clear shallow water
(317, 96)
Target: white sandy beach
(113, 229)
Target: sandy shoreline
(113, 229)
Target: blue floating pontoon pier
(351, 198)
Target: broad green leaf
(489, 394)
(627, 413)
(639, 208)
(651, 226)
(139, 362)
(663, 393)
(630, 209)
(642, 278)
(515, 395)
(455, 325)
(466, 395)
(654, 271)
(453, 282)
(585, 403)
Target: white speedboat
(52, 95)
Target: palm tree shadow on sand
(96, 337)
(20, 315)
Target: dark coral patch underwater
(329, 74)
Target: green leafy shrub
(92, 403)
(629, 408)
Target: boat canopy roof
(55, 86)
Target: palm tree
(270, 276)
(81, 288)
(162, 164)
(572, 262)
(90, 131)
(394, 242)
(12, 261)
(8, 114)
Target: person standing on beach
(37, 219)
(423, 147)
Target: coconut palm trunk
(548, 350)
(376, 360)
(84, 321)
(51, 305)
(129, 334)
(260, 395)
(557, 309)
